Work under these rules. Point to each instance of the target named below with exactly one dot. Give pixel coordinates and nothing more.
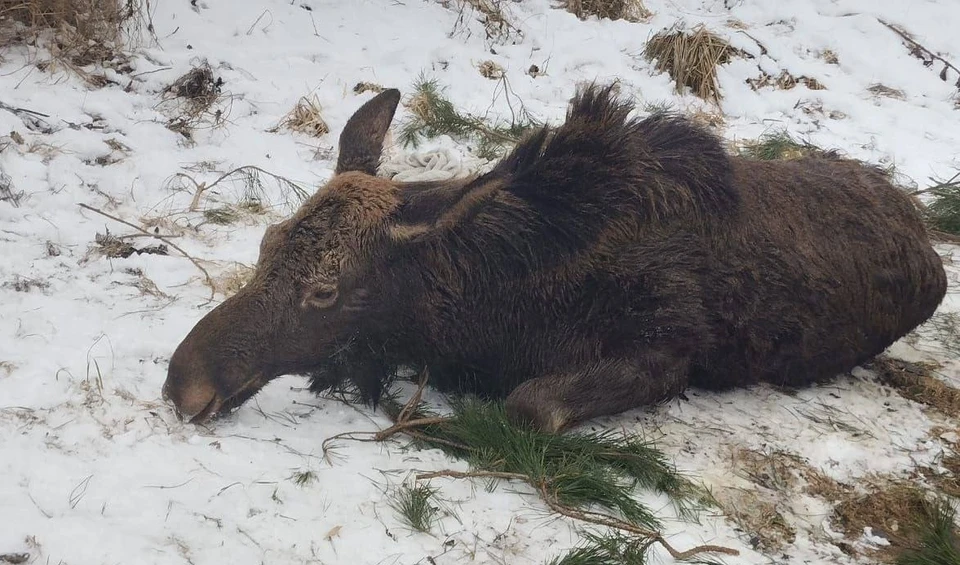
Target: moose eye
(322, 296)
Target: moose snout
(194, 396)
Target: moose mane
(562, 188)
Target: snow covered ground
(95, 469)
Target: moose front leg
(554, 402)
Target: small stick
(209, 279)
(917, 45)
(415, 399)
(473, 474)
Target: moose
(604, 264)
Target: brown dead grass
(756, 512)
(490, 70)
(784, 81)
(759, 510)
(714, 120)
(892, 509)
(84, 32)
(916, 381)
(883, 90)
(306, 117)
(691, 59)
(233, 278)
(630, 10)
(829, 57)
(193, 100)
(490, 13)
(362, 87)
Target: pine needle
(938, 540)
(416, 506)
(778, 145)
(434, 115)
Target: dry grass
(829, 57)
(714, 120)
(756, 512)
(362, 87)
(233, 278)
(194, 100)
(496, 25)
(630, 10)
(883, 90)
(916, 381)
(691, 59)
(26, 284)
(306, 117)
(897, 511)
(77, 32)
(784, 81)
(490, 70)
(777, 145)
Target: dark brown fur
(605, 264)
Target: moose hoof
(549, 416)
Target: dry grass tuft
(829, 57)
(883, 90)
(630, 10)
(84, 32)
(306, 117)
(784, 81)
(691, 59)
(916, 381)
(918, 530)
(490, 70)
(26, 284)
(756, 512)
(114, 247)
(193, 100)
(496, 25)
(778, 145)
(362, 87)
(714, 120)
(233, 278)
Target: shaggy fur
(605, 264)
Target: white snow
(95, 468)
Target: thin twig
(473, 474)
(917, 45)
(952, 183)
(597, 518)
(414, 401)
(209, 279)
(406, 426)
(611, 522)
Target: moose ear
(362, 138)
